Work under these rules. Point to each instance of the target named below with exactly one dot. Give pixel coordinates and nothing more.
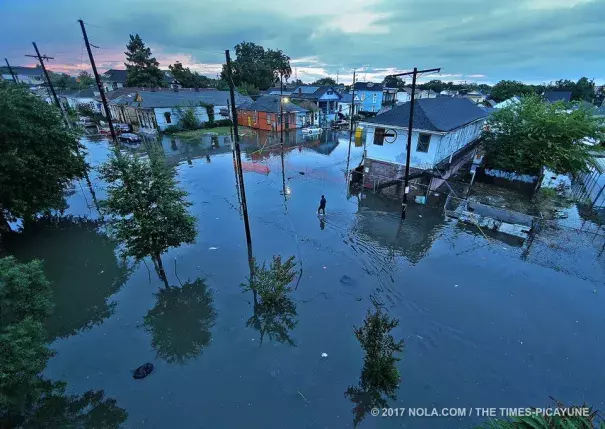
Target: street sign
(390, 136)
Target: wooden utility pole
(41, 58)
(281, 110)
(410, 127)
(10, 69)
(237, 150)
(99, 83)
(351, 112)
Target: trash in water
(420, 199)
(212, 248)
(324, 355)
(143, 371)
(346, 280)
(301, 172)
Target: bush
(171, 129)
(223, 123)
(272, 283)
(188, 120)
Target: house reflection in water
(379, 222)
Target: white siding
(200, 113)
(403, 97)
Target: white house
(508, 102)
(404, 95)
(25, 75)
(425, 93)
(346, 105)
(161, 109)
(476, 97)
(85, 97)
(442, 128)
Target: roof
(552, 96)
(312, 92)
(119, 76)
(171, 98)
(491, 102)
(440, 114)
(368, 86)
(270, 103)
(83, 93)
(348, 98)
(513, 100)
(26, 71)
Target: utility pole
(410, 127)
(99, 83)
(351, 112)
(10, 69)
(237, 151)
(41, 58)
(281, 110)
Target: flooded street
(484, 323)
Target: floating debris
(324, 355)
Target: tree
(39, 157)
(258, 67)
(189, 79)
(391, 81)
(297, 82)
(527, 136)
(506, 89)
(583, 90)
(187, 310)
(76, 252)
(148, 211)
(85, 79)
(143, 69)
(324, 81)
(63, 81)
(379, 376)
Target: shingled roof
(270, 104)
(552, 96)
(166, 99)
(440, 114)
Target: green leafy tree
(148, 211)
(582, 90)
(189, 79)
(143, 68)
(379, 376)
(180, 323)
(85, 79)
(39, 157)
(393, 82)
(297, 82)
(324, 81)
(527, 136)
(506, 89)
(63, 81)
(187, 118)
(258, 67)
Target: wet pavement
(485, 323)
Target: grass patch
(196, 134)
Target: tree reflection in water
(379, 376)
(275, 319)
(181, 321)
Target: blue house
(324, 97)
(374, 96)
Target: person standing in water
(322, 205)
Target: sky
(483, 41)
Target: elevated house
(443, 136)
(27, 75)
(265, 114)
(116, 78)
(157, 110)
(374, 96)
(325, 97)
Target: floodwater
(485, 323)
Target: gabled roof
(348, 98)
(270, 104)
(167, 99)
(26, 71)
(119, 76)
(312, 92)
(440, 114)
(552, 96)
(368, 86)
(82, 93)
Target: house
(554, 96)
(84, 97)
(508, 102)
(404, 95)
(152, 109)
(286, 90)
(374, 95)
(26, 75)
(346, 105)
(444, 130)
(265, 114)
(425, 93)
(325, 97)
(490, 104)
(450, 92)
(116, 78)
(476, 97)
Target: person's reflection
(208, 158)
(322, 222)
(173, 145)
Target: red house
(265, 114)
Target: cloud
(532, 40)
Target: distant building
(374, 96)
(116, 78)
(346, 107)
(443, 129)
(265, 114)
(26, 75)
(426, 93)
(476, 97)
(508, 102)
(554, 96)
(152, 109)
(404, 95)
(84, 97)
(326, 98)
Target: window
(363, 96)
(423, 143)
(373, 98)
(168, 118)
(330, 92)
(379, 136)
(372, 108)
(340, 107)
(268, 118)
(255, 116)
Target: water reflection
(379, 376)
(88, 411)
(180, 323)
(378, 221)
(81, 264)
(275, 320)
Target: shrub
(170, 129)
(223, 123)
(272, 283)
(188, 120)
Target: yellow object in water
(358, 132)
